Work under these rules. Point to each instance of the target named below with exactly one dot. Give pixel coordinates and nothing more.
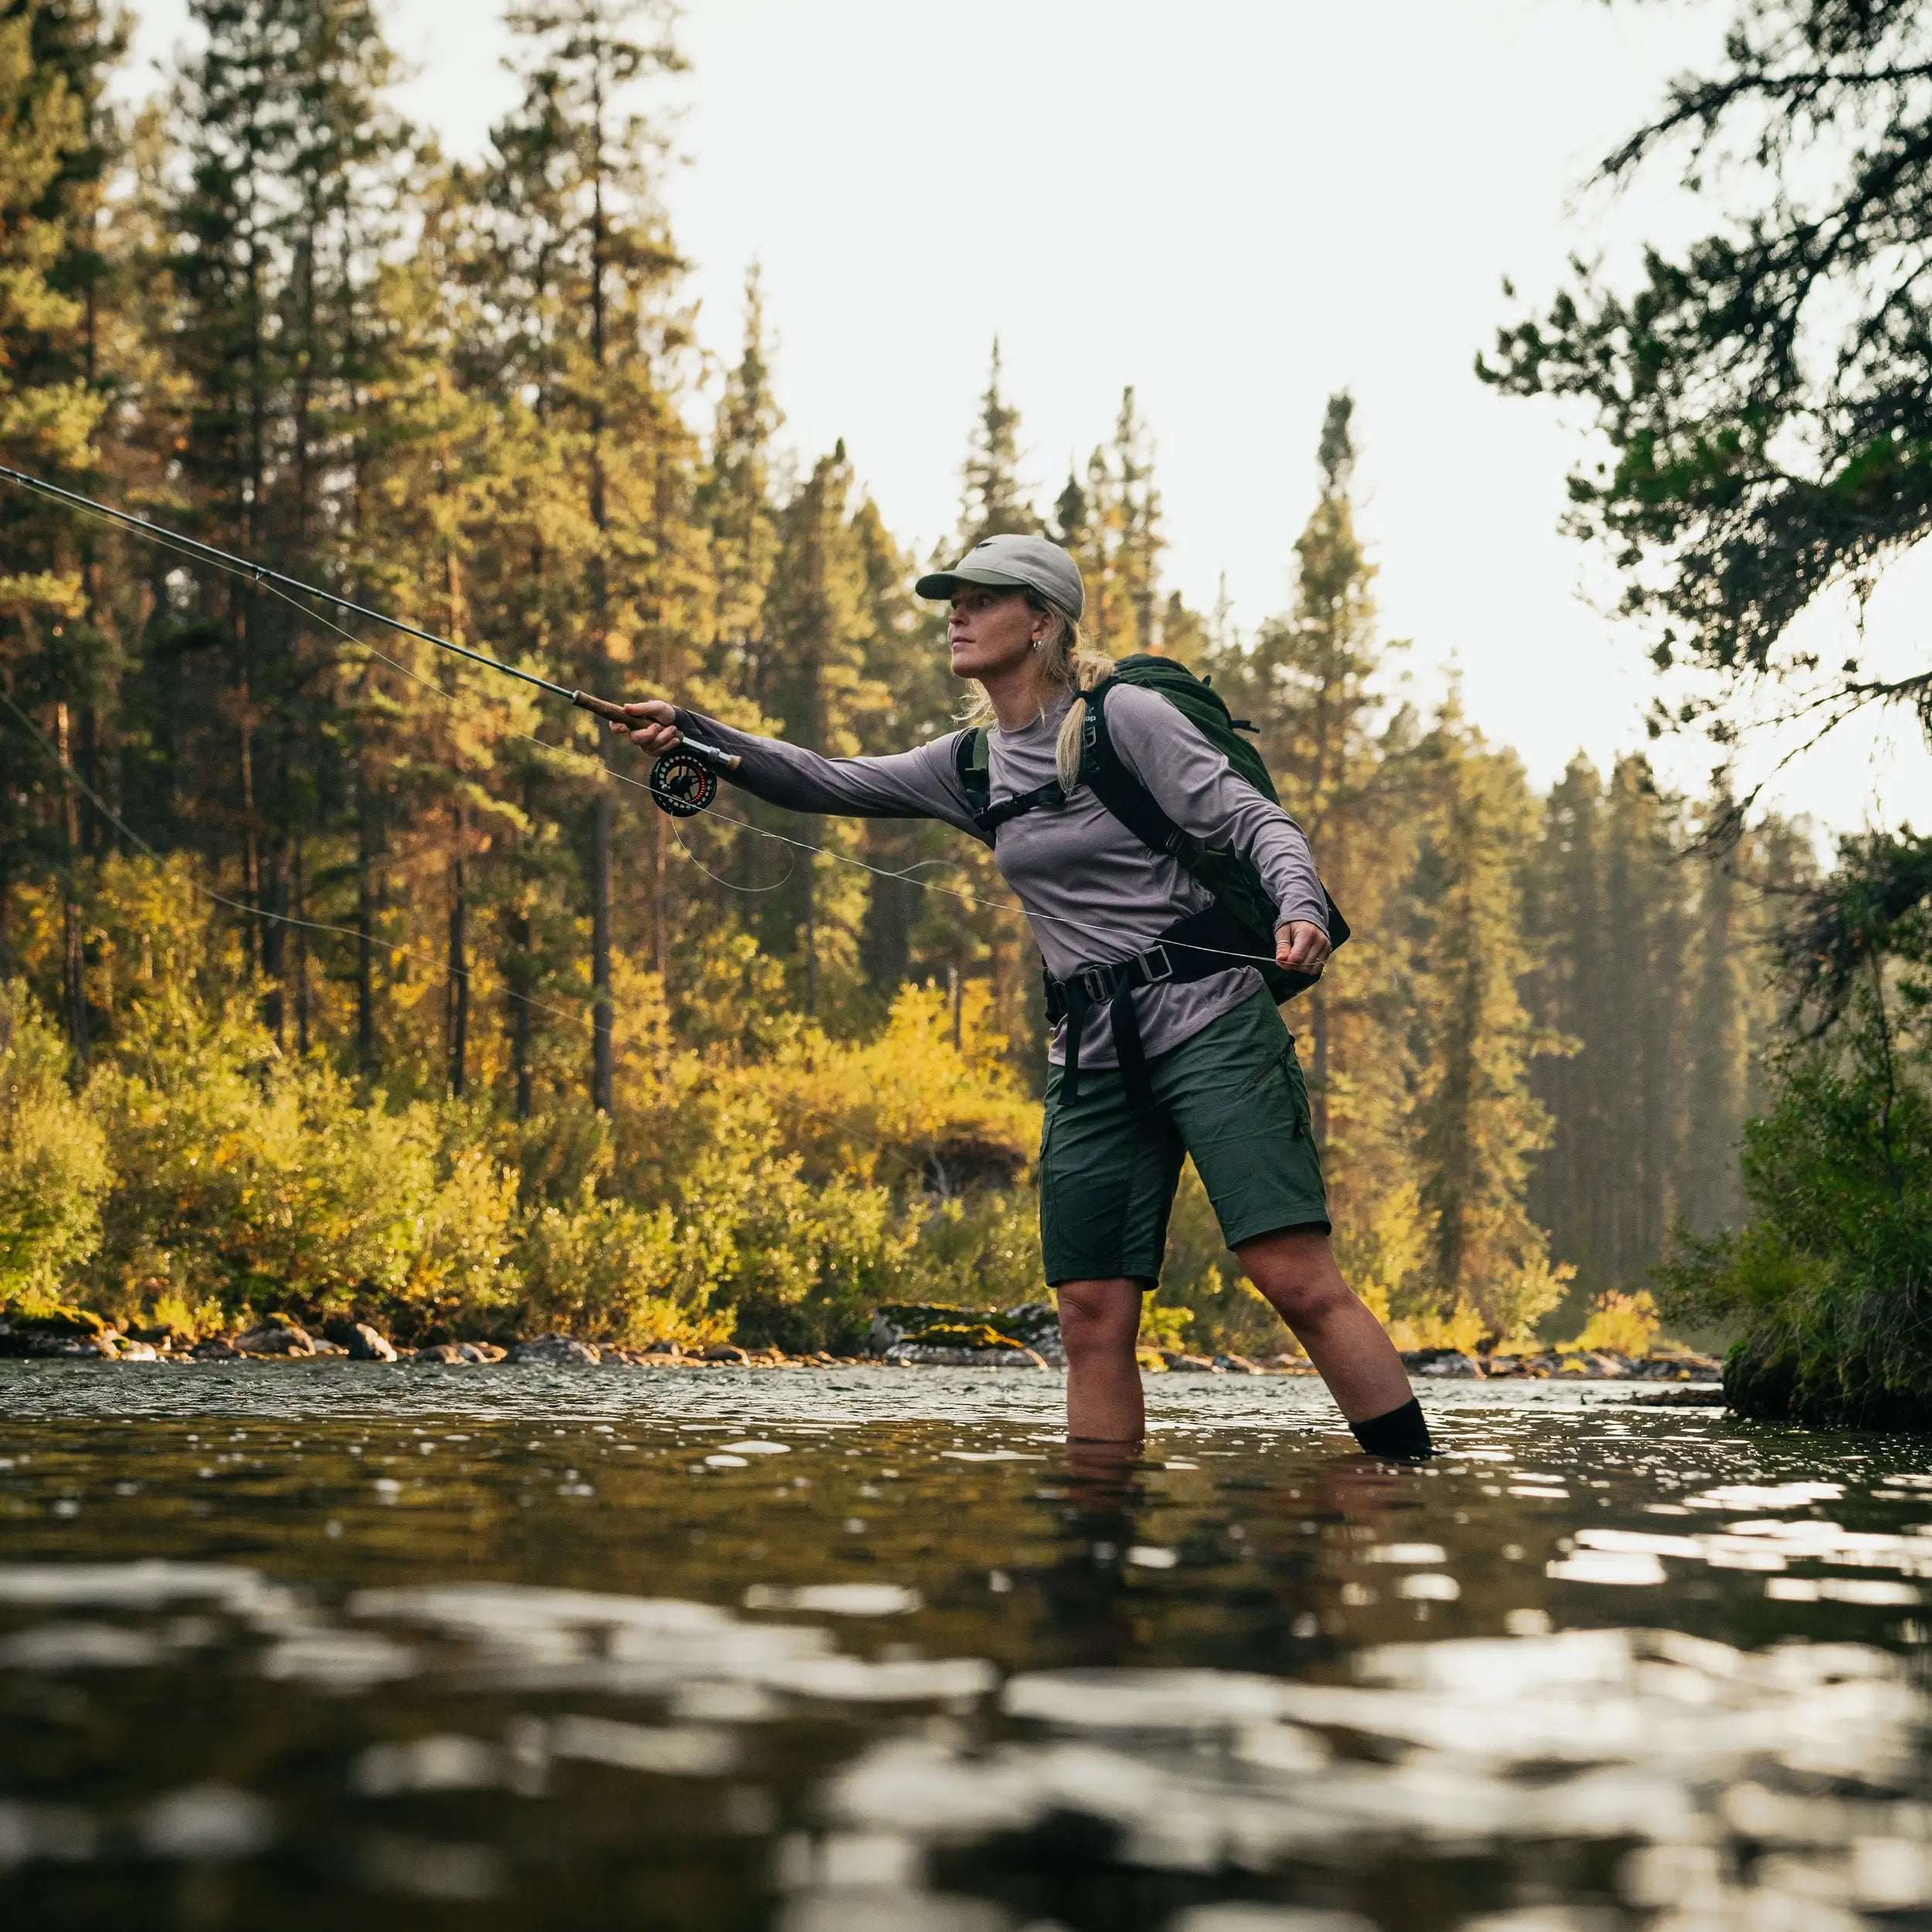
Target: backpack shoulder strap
(1135, 807)
(1116, 788)
(972, 763)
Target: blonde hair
(1068, 660)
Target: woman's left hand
(1301, 947)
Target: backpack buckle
(1100, 983)
(1151, 973)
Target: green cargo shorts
(1232, 1098)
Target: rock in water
(58, 1331)
(275, 1338)
(1033, 1329)
(366, 1344)
(1035, 1325)
(958, 1346)
(726, 1352)
(1442, 1361)
(553, 1351)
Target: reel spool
(682, 784)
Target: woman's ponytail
(1070, 662)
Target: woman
(1219, 1063)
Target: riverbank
(77, 1336)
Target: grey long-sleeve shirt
(1092, 892)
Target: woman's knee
(1296, 1272)
(1303, 1300)
(1098, 1315)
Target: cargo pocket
(1279, 1084)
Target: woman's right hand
(651, 725)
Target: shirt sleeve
(1195, 785)
(919, 783)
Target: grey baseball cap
(1012, 564)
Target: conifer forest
(339, 977)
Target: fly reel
(682, 783)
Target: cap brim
(944, 584)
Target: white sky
(1238, 206)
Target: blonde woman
(1163, 1062)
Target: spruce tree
(59, 652)
(585, 275)
(735, 504)
(1478, 1124)
(821, 617)
(1570, 993)
(279, 235)
(1314, 682)
(993, 503)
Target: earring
(1038, 642)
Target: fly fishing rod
(683, 781)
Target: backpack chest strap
(971, 762)
(1049, 795)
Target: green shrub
(1831, 1281)
(54, 1170)
(978, 1251)
(246, 1179)
(614, 1273)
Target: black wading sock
(1400, 1435)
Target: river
(866, 1650)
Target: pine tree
(1478, 1124)
(278, 242)
(1569, 992)
(735, 504)
(821, 619)
(1116, 538)
(1314, 682)
(585, 273)
(59, 653)
(1709, 1194)
(993, 503)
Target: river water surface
(862, 1650)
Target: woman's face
(990, 630)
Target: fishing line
(684, 789)
(262, 912)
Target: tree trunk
(811, 936)
(603, 1054)
(74, 958)
(517, 975)
(299, 900)
(603, 1060)
(365, 934)
(660, 926)
(458, 988)
(274, 940)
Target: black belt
(1196, 947)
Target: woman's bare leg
(1099, 1323)
(1295, 1269)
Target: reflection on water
(734, 1650)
